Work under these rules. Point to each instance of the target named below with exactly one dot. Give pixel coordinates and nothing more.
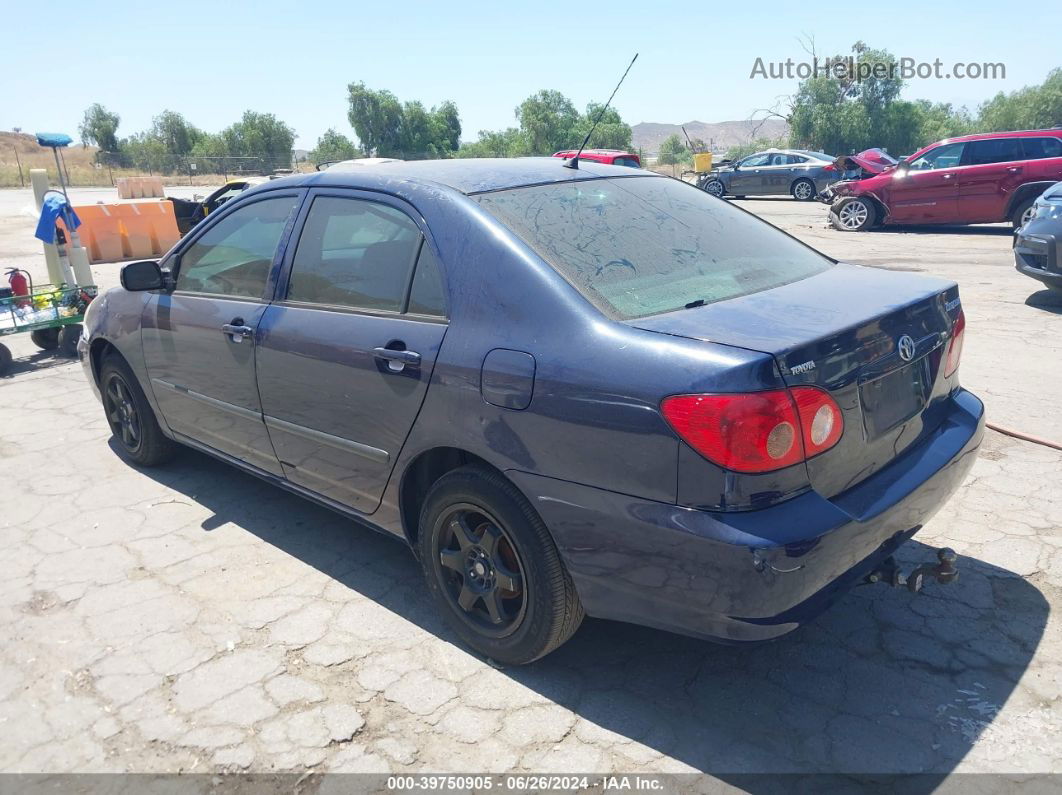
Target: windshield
(642, 246)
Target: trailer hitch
(944, 572)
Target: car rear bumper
(1039, 256)
(754, 575)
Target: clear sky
(213, 60)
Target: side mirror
(141, 276)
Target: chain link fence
(196, 168)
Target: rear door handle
(397, 360)
(1014, 169)
(236, 331)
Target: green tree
(388, 128)
(333, 146)
(176, 134)
(1030, 108)
(496, 143)
(376, 117)
(548, 121)
(611, 133)
(260, 135)
(147, 152)
(673, 152)
(99, 126)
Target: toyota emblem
(906, 347)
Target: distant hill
(722, 134)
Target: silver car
(776, 172)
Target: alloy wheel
(715, 188)
(1028, 214)
(121, 412)
(480, 571)
(802, 190)
(853, 214)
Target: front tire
(1022, 214)
(493, 570)
(715, 188)
(130, 417)
(853, 214)
(803, 190)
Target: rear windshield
(642, 246)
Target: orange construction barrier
(127, 230)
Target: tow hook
(944, 572)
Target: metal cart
(50, 314)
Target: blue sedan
(592, 391)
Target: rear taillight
(955, 345)
(830, 167)
(756, 431)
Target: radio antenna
(574, 162)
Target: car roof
(616, 152)
(1055, 133)
(467, 175)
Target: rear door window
(1041, 148)
(636, 246)
(426, 296)
(234, 256)
(993, 150)
(354, 253)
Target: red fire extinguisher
(21, 283)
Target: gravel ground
(192, 618)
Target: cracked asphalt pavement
(192, 618)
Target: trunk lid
(840, 330)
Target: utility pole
(21, 180)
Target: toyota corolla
(572, 391)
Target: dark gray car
(776, 172)
(572, 391)
(1038, 242)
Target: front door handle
(236, 331)
(1014, 169)
(397, 360)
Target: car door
(926, 189)
(994, 169)
(777, 174)
(199, 339)
(747, 178)
(349, 345)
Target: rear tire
(5, 359)
(1018, 218)
(803, 190)
(137, 433)
(47, 339)
(853, 214)
(67, 341)
(492, 568)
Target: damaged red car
(976, 179)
